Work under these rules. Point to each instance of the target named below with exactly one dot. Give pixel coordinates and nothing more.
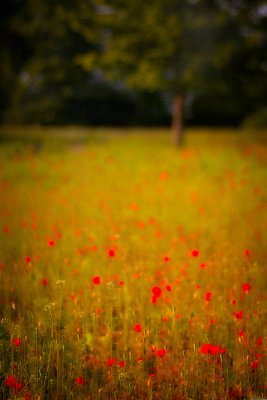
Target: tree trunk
(177, 119)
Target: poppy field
(130, 269)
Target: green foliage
(257, 120)
(72, 62)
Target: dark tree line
(132, 62)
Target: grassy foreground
(130, 269)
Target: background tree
(174, 45)
(119, 62)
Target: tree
(14, 51)
(161, 45)
(56, 33)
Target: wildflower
(27, 396)
(121, 364)
(241, 334)
(28, 259)
(254, 364)
(208, 348)
(51, 243)
(247, 252)
(111, 253)
(259, 342)
(168, 288)
(111, 362)
(238, 315)
(79, 380)
(246, 287)
(166, 259)
(195, 253)
(96, 280)
(137, 328)
(11, 381)
(44, 282)
(18, 387)
(16, 342)
(161, 353)
(156, 291)
(208, 296)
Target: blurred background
(121, 62)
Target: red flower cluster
(11, 382)
(208, 348)
(156, 293)
(111, 362)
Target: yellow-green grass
(66, 201)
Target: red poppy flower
(166, 259)
(246, 287)
(96, 280)
(16, 342)
(254, 364)
(51, 243)
(111, 362)
(28, 259)
(11, 381)
(79, 380)
(238, 315)
(208, 296)
(195, 253)
(121, 364)
(247, 252)
(111, 253)
(156, 291)
(161, 353)
(18, 388)
(44, 282)
(137, 328)
(168, 288)
(259, 342)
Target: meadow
(130, 269)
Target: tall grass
(130, 269)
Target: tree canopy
(68, 61)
